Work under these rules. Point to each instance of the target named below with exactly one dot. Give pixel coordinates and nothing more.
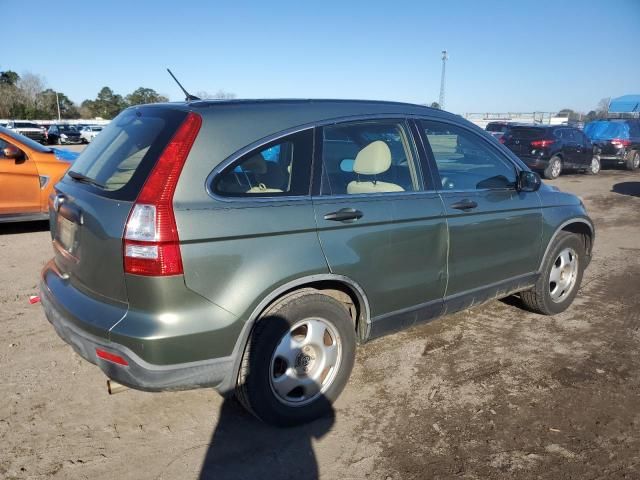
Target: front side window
(280, 168)
(367, 157)
(465, 161)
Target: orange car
(28, 172)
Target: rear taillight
(542, 143)
(620, 142)
(151, 245)
(502, 140)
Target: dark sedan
(63, 134)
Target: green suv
(250, 245)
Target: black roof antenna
(188, 95)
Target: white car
(28, 129)
(89, 132)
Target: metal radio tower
(445, 57)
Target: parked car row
(55, 134)
(554, 149)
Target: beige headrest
(256, 164)
(373, 159)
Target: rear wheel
(560, 277)
(594, 167)
(554, 168)
(298, 359)
(633, 162)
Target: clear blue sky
(504, 55)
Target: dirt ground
(492, 392)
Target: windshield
(25, 125)
(606, 130)
(33, 145)
(67, 128)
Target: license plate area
(66, 234)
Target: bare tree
(603, 106)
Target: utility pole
(58, 105)
(445, 57)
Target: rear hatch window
(524, 133)
(118, 161)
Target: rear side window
(121, 157)
(367, 158)
(465, 161)
(279, 168)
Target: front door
(494, 230)
(377, 224)
(19, 183)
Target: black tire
(253, 387)
(538, 299)
(592, 169)
(633, 162)
(551, 172)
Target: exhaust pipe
(115, 387)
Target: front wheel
(594, 166)
(633, 162)
(560, 277)
(554, 168)
(298, 360)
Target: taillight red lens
(620, 142)
(111, 357)
(502, 139)
(542, 143)
(151, 245)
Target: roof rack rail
(614, 115)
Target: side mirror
(11, 151)
(528, 181)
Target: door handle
(344, 214)
(464, 205)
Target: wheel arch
(578, 226)
(340, 287)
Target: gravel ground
(491, 392)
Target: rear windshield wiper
(83, 178)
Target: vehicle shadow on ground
(627, 188)
(242, 447)
(24, 227)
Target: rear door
(19, 183)
(92, 202)
(494, 230)
(570, 154)
(584, 149)
(377, 223)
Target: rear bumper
(138, 374)
(534, 162)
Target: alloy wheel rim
(555, 169)
(636, 160)
(305, 362)
(563, 275)
(595, 165)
